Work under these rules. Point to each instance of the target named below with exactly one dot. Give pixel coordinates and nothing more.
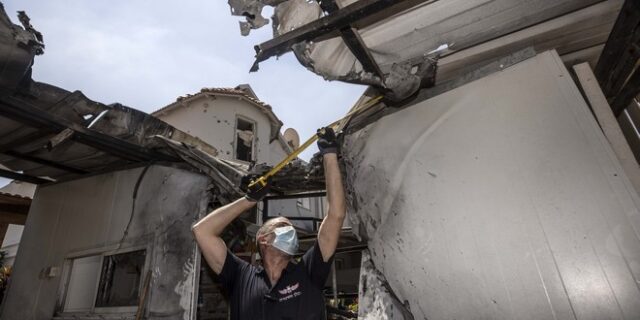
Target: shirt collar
(290, 266)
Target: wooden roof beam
(30, 115)
(354, 42)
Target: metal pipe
(334, 281)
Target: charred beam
(620, 54)
(26, 139)
(44, 162)
(354, 42)
(338, 20)
(30, 115)
(630, 90)
(22, 177)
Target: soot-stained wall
(500, 199)
(90, 216)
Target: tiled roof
(276, 123)
(228, 91)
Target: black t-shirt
(296, 296)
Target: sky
(144, 54)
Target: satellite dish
(292, 138)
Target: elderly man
(282, 288)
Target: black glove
(327, 142)
(256, 192)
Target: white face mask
(286, 240)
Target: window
(82, 283)
(245, 137)
(120, 279)
(304, 203)
(104, 281)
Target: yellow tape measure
(263, 179)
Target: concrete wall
(89, 216)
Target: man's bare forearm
(215, 222)
(335, 189)
(208, 230)
(329, 232)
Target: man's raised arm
(329, 232)
(207, 231)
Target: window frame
(254, 143)
(102, 252)
(301, 203)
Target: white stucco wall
(276, 153)
(89, 216)
(11, 242)
(213, 120)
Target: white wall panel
(500, 199)
(89, 216)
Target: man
(281, 288)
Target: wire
(133, 204)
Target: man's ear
(262, 240)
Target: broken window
(119, 284)
(245, 136)
(81, 285)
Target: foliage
(5, 273)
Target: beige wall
(11, 242)
(213, 120)
(276, 153)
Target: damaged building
(107, 233)
(491, 167)
(508, 185)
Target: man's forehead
(274, 223)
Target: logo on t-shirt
(289, 292)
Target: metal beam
(338, 20)
(22, 177)
(13, 218)
(22, 111)
(354, 248)
(297, 195)
(44, 162)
